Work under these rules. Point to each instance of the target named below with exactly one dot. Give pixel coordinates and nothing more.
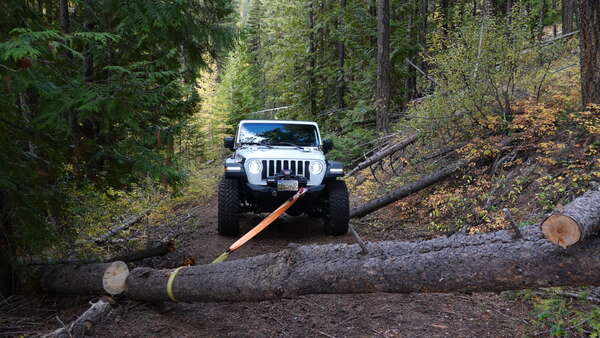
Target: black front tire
(338, 208)
(228, 214)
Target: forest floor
(378, 315)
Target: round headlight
(254, 167)
(316, 168)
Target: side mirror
(327, 145)
(228, 142)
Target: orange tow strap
(261, 226)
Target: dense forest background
(107, 105)
(111, 110)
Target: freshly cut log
(382, 154)
(577, 221)
(99, 278)
(406, 190)
(83, 325)
(483, 262)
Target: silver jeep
(271, 160)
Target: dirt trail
(381, 315)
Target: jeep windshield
(278, 134)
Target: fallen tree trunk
(83, 325)
(577, 221)
(159, 250)
(383, 153)
(88, 279)
(406, 190)
(414, 186)
(484, 262)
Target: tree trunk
(554, 30)
(567, 16)
(576, 222)
(100, 278)
(341, 49)
(410, 82)
(589, 36)
(88, 62)
(82, 326)
(312, 62)
(384, 153)
(64, 16)
(484, 262)
(541, 19)
(406, 190)
(384, 68)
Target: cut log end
(561, 230)
(115, 276)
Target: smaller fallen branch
(580, 296)
(383, 154)
(83, 325)
(159, 250)
(577, 221)
(441, 152)
(359, 240)
(123, 226)
(512, 223)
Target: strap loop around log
(170, 283)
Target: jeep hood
(260, 152)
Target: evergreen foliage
(98, 104)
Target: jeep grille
(298, 167)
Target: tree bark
(589, 36)
(384, 153)
(341, 48)
(384, 67)
(567, 16)
(484, 262)
(82, 326)
(541, 19)
(576, 222)
(406, 190)
(64, 16)
(410, 82)
(100, 278)
(312, 62)
(554, 30)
